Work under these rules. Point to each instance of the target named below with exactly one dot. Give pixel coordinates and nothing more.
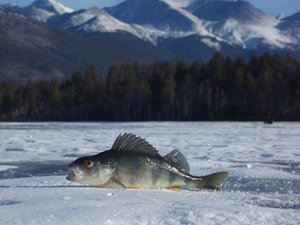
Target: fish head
(90, 170)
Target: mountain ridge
(225, 22)
(32, 50)
(42, 10)
(191, 29)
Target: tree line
(220, 89)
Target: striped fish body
(133, 163)
(144, 171)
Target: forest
(219, 89)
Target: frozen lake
(263, 163)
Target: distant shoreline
(222, 89)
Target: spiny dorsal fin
(131, 143)
(177, 158)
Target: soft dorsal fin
(131, 143)
(177, 158)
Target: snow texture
(51, 5)
(241, 24)
(232, 22)
(263, 186)
(42, 10)
(96, 20)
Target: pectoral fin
(113, 183)
(174, 188)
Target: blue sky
(273, 7)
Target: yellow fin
(174, 188)
(134, 187)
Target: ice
(263, 186)
(5, 167)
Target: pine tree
(55, 94)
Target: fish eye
(88, 164)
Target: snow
(52, 4)
(4, 167)
(179, 3)
(211, 44)
(272, 36)
(97, 20)
(198, 24)
(42, 10)
(263, 30)
(263, 162)
(41, 14)
(105, 23)
(60, 8)
(250, 36)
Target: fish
(133, 163)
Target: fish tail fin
(212, 181)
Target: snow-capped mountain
(165, 19)
(42, 10)
(189, 28)
(168, 16)
(291, 27)
(32, 50)
(238, 22)
(96, 20)
(51, 6)
(232, 22)
(242, 11)
(152, 13)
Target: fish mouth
(73, 174)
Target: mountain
(291, 27)
(239, 22)
(152, 13)
(32, 50)
(168, 22)
(145, 30)
(42, 10)
(241, 11)
(195, 47)
(293, 17)
(167, 17)
(96, 20)
(222, 22)
(218, 24)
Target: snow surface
(263, 186)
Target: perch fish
(134, 163)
